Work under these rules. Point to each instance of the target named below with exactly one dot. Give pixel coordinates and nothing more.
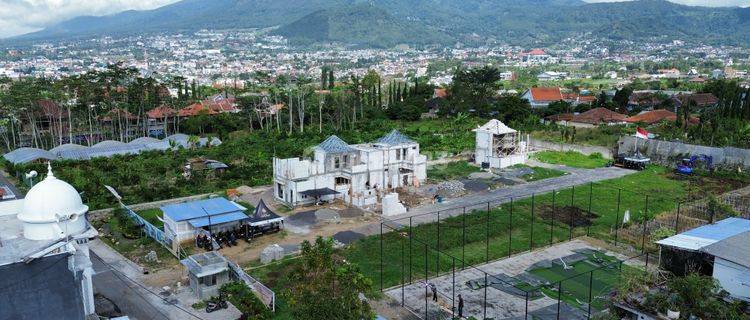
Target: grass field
(151, 216)
(572, 159)
(506, 234)
(540, 173)
(451, 171)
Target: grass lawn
(571, 159)
(540, 173)
(501, 226)
(151, 216)
(131, 243)
(451, 171)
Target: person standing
(434, 292)
(460, 306)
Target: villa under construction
(359, 174)
(499, 146)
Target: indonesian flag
(641, 133)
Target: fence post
(453, 294)
(426, 278)
(677, 221)
(552, 221)
(617, 215)
(381, 257)
(403, 269)
(484, 305)
(410, 250)
(645, 221)
(526, 313)
(487, 235)
(572, 204)
(591, 193)
(559, 296)
(510, 229)
(438, 242)
(531, 234)
(463, 240)
(591, 283)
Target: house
(358, 174)
(498, 146)
(701, 100)
(184, 221)
(207, 272)
(160, 120)
(719, 250)
(507, 76)
(656, 116)
(551, 76)
(542, 97)
(45, 268)
(535, 56)
(218, 103)
(589, 119)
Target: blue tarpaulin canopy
(218, 219)
(220, 210)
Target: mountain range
(385, 23)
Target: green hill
(383, 23)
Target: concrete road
(124, 293)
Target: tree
(622, 97)
(331, 79)
(325, 286)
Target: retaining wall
(587, 150)
(669, 152)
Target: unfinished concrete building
(498, 146)
(359, 174)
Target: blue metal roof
(201, 208)
(395, 138)
(218, 219)
(703, 236)
(720, 230)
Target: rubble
(271, 253)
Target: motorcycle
(218, 304)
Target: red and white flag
(641, 133)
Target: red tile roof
(655, 116)
(119, 114)
(194, 110)
(440, 93)
(546, 94)
(701, 99)
(161, 112)
(536, 52)
(599, 116)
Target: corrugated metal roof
(334, 144)
(395, 138)
(218, 219)
(495, 126)
(24, 155)
(106, 148)
(200, 208)
(735, 249)
(703, 236)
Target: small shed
(690, 251)
(732, 264)
(181, 220)
(207, 273)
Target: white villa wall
(734, 278)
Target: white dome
(52, 209)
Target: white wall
(733, 277)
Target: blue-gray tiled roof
(394, 138)
(334, 144)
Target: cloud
(705, 3)
(23, 16)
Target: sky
(24, 16)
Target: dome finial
(49, 170)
